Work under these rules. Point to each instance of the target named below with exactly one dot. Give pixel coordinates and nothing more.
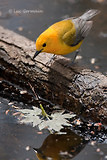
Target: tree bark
(76, 88)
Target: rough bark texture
(80, 90)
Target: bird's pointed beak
(35, 149)
(36, 53)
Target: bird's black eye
(44, 45)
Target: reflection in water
(60, 147)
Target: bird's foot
(73, 61)
(69, 64)
(51, 59)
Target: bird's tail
(89, 14)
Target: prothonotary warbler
(65, 36)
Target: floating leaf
(31, 116)
(56, 123)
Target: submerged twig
(32, 88)
(37, 97)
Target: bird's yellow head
(46, 42)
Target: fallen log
(76, 88)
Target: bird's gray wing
(82, 26)
(82, 29)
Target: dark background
(14, 137)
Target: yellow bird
(65, 36)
